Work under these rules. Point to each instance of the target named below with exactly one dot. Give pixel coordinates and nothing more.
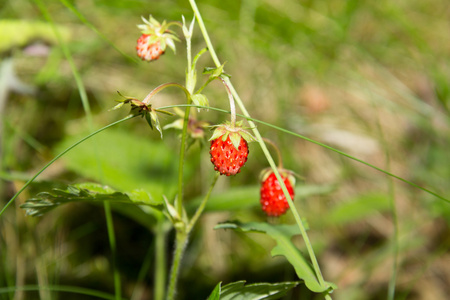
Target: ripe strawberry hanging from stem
(155, 38)
(229, 144)
(273, 200)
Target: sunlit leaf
(256, 291)
(86, 192)
(215, 295)
(283, 234)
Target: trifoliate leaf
(86, 192)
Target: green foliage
(283, 234)
(85, 192)
(257, 291)
(127, 162)
(378, 69)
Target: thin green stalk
(93, 28)
(392, 203)
(393, 279)
(263, 147)
(59, 156)
(112, 245)
(66, 51)
(202, 205)
(160, 259)
(181, 240)
(58, 288)
(232, 104)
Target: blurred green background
(370, 78)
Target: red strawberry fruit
(273, 200)
(229, 149)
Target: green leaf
(215, 295)
(282, 234)
(86, 192)
(256, 291)
(128, 161)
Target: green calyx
(290, 175)
(159, 32)
(235, 134)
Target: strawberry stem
(280, 161)
(232, 105)
(161, 87)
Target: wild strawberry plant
(229, 152)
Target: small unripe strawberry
(273, 200)
(229, 149)
(146, 50)
(154, 39)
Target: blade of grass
(93, 28)
(88, 113)
(59, 288)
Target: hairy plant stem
(263, 147)
(181, 240)
(202, 205)
(232, 104)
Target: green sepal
(156, 120)
(149, 120)
(218, 132)
(235, 139)
(247, 136)
(118, 106)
